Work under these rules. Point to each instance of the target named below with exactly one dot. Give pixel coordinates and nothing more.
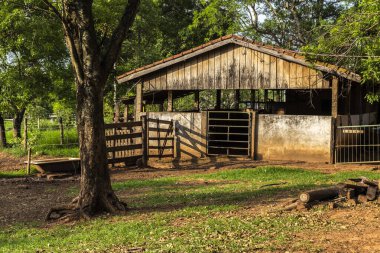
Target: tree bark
(17, 122)
(3, 138)
(92, 63)
(96, 193)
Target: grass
(194, 213)
(44, 141)
(16, 173)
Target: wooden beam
(116, 115)
(170, 101)
(196, 101)
(138, 101)
(334, 97)
(218, 99)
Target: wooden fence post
(29, 161)
(253, 134)
(60, 120)
(144, 131)
(25, 133)
(174, 142)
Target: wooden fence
(161, 138)
(129, 141)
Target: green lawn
(197, 213)
(44, 141)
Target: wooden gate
(161, 138)
(124, 142)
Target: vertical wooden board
(169, 78)
(211, 70)
(224, 67)
(319, 80)
(175, 84)
(254, 73)
(231, 67)
(205, 69)
(237, 66)
(267, 70)
(305, 79)
(163, 79)
(292, 75)
(246, 76)
(199, 77)
(273, 72)
(193, 73)
(260, 70)
(300, 84)
(280, 73)
(187, 68)
(181, 75)
(286, 74)
(313, 78)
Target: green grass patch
(193, 213)
(17, 173)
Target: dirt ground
(29, 199)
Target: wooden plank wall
(235, 67)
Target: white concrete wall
(294, 137)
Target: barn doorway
(228, 133)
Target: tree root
(76, 210)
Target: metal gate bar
(228, 133)
(357, 144)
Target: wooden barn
(283, 107)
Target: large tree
(94, 49)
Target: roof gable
(279, 53)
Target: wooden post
(144, 141)
(125, 116)
(237, 99)
(116, 113)
(61, 130)
(174, 139)
(196, 101)
(29, 161)
(253, 135)
(138, 101)
(333, 140)
(218, 99)
(170, 101)
(334, 97)
(253, 99)
(25, 133)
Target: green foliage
(354, 43)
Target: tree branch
(114, 46)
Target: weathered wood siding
(235, 67)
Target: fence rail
(357, 144)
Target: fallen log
(320, 195)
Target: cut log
(372, 192)
(319, 195)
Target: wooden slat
(236, 67)
(245, 72)
(273, 73)
(231, 67)
(194, 73)
(162, 156)
(161, 138)
(260, 70)
(267, 66)
(199, 76)
(218, 70)
(158, 129)
(211, 70)
(123, 136)
(254, 72)
(161, 121)
(161, 147)
(181, 75)
(122, 148)
(123, 124)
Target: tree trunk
(96, 194)
(17, 122)
(3, 138)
